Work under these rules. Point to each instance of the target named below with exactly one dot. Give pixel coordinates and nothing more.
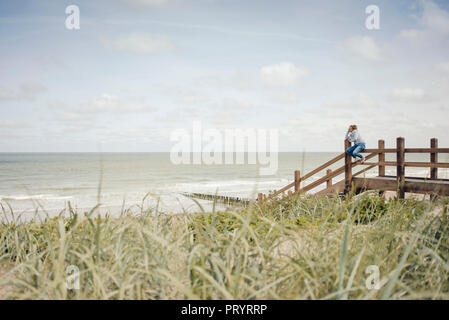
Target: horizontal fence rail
(410, 164)
(408, 150)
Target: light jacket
(355, 137)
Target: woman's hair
(354, 127)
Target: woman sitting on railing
(359, 144)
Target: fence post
(400, 169)
(381, 145)
(348, 168)
(329, 181)
(297, 181)
(260, 198)
(434, 158)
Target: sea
(48, 183)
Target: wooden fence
(349, 177)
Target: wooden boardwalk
(353, 182)
(389, 183)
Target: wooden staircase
(354, 182)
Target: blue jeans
(355, 149)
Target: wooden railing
(380, 152)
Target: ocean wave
(34, 197)
(229, 183)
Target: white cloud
(29, 91)
(282, 74)
(363, 47)
(6, 94)
(10, 124)
(111, 103)
(411, 95)
(435, 23)
(188, 96)
(133, 135)
(360, 101)
(194, 98)
(145, 3)
(236, 105)
(105, 103)
(433, 17)
(414, 35)
(140, 43)
(235, 80)
(26, 91)
(71, 116)
(287, 98)
(444, 66)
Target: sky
(137, 70)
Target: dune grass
(291, 248)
